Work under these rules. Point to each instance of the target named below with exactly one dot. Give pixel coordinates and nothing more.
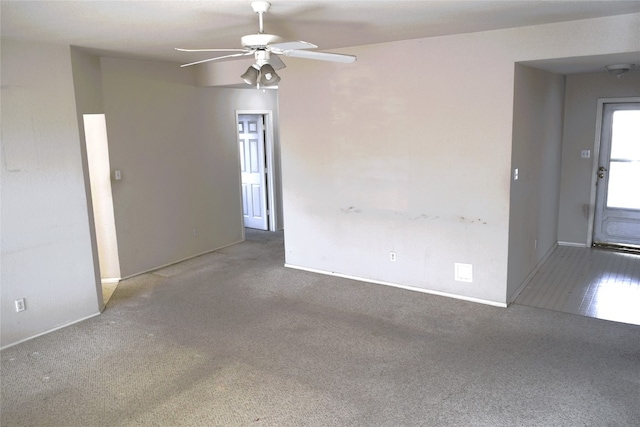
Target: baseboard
(48, 331)
(160, 267)
(573, 244)
(396, 285)
(109, 281)
(533, 272)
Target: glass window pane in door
(625, 135)
(624, 185)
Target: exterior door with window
(617, 212)
(252, 169)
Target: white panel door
(252, 169)
(617, 213)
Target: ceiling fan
(266, 48)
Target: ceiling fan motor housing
(259, 40)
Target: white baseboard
(160, 267)
(533, 272)
(574, 244)
(396, 285)
(50, 330)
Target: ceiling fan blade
(235, 55)
(322, 56)
(285, 46)
(276, 62)
(210, 50)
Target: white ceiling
(151, 29)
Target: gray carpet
(233, 338)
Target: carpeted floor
(233, 338)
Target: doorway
(257, 166)
(617, 203)
(95, 129)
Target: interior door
(252, 170)
(617, 212)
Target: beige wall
(225, 102)
(87, 83)
(536, 152)
(179, 172)
(174, 142)
(583, 92)
(46, 244)
(409, 150)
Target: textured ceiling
(151, 29)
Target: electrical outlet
(195, 232)
(392, 256)
(585, 154)
(20, 305)
(515, 174)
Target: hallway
(591, 282)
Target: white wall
(175, 143)
(409, 150)
(87, 83)
(179, 172)
(538, 109)
(223, 73)
(583, 91)
(46, 244)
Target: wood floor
(593, 282)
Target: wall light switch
(585, 154)
(117, 175)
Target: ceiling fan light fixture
(268, 76)
(619, 69)
(250, 76)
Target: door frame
(596, 159)
(270, 154)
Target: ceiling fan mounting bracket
(260, 6)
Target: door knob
(600, 175)
(602, 169)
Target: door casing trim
(596, 158)
(271, 175)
